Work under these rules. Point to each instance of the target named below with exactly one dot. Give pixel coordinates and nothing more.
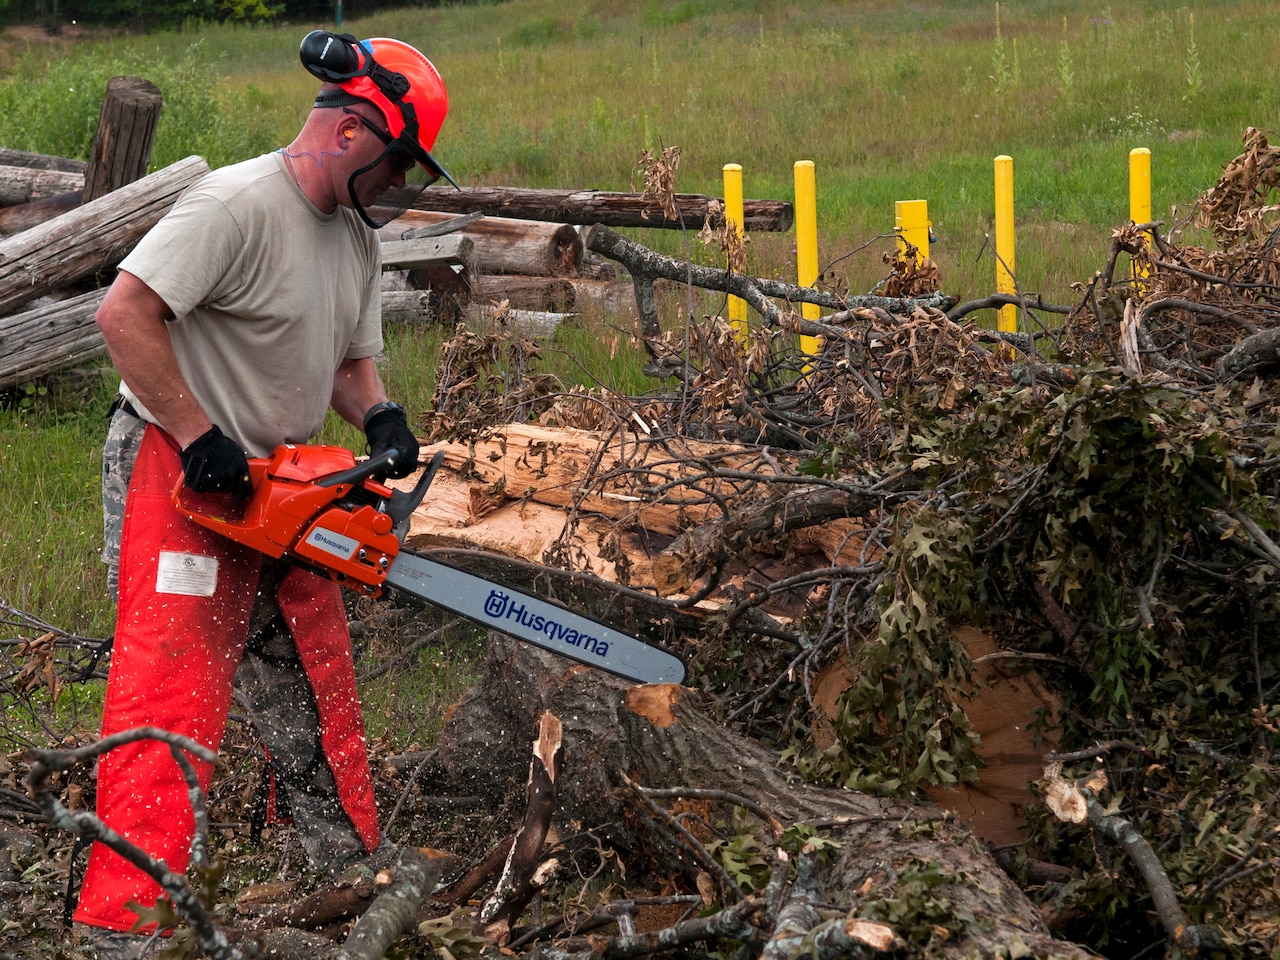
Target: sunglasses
(398, 156)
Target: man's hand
(214, 463)
(385, 427)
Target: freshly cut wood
(464, 514)
(502, 245)
(548, 465)
(598, 206)
(20, 185)
(27, 215)
(126, 131)
(1005, 703)
(524, 293)
(91, 238)
(427, 252)
(50, 338)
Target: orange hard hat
(390, 74)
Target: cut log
(524, 293)
(50, 338)
(126, 130)
(19, 185)
(527, 247)
(407, 306)
(427, 252)
(39, 161)
(91, 238)
(549, 466)
(659, 737)
(27, 215)
(598, 206)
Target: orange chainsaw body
(301, 509)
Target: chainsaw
(316, 506)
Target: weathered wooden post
(126, 131)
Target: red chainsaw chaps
(173, 661)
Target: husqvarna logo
(500, 606)
(335, 543)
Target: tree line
(54, 15)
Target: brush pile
(850, 549)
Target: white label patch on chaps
(187, 574)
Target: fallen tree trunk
(530, 247)
(525, 293)
(19, 185)
(50, 338)
(91, 238)
(599, 206)
(27, 215)
(628, 747)
(39, 161)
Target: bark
(502, 245)
(392, 913)
(126, 131)
(49, 338)
(428, 252)
(646, 266)
(660, 736)
(519, 881)
(91, 238)
(1260, 350)
(27, 215)
(596, 206)
(706, 548)
(19, 185)
(525, 293)
(39, 161)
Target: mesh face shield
(384, 189)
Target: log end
(655, 702)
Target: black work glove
(385, 427)
(214, 463)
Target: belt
(121, 402)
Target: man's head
(388, 91)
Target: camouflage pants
(124, 435)
(271, 685)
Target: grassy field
(891, 102)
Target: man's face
(379, 164)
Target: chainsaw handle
(361, 471)
(404, 502)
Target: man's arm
(360, 398)
(132, 318)
(356, 388)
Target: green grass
(891, 102)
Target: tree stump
(616, 735)
(126, 131)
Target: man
(247, 312)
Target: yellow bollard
(1004, 241)
(911, 224)
(806, 212)
(1140, 194)
(733, 213)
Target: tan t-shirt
(268, 295)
